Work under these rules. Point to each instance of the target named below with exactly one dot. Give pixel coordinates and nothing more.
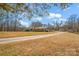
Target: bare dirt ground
(65, 44)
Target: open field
(24, 38)
(64, 44)
(19, 34)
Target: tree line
(8, 23)
(10, 19)
(72, 24)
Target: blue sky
(55, 13)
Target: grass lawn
(64, 44)
(18, 34)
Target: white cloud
(37, 18)
(24, 23)
(78, 6)
(54, 15)
(62, 19)
(66, 9)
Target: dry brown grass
(18, 34)
(64, 44)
